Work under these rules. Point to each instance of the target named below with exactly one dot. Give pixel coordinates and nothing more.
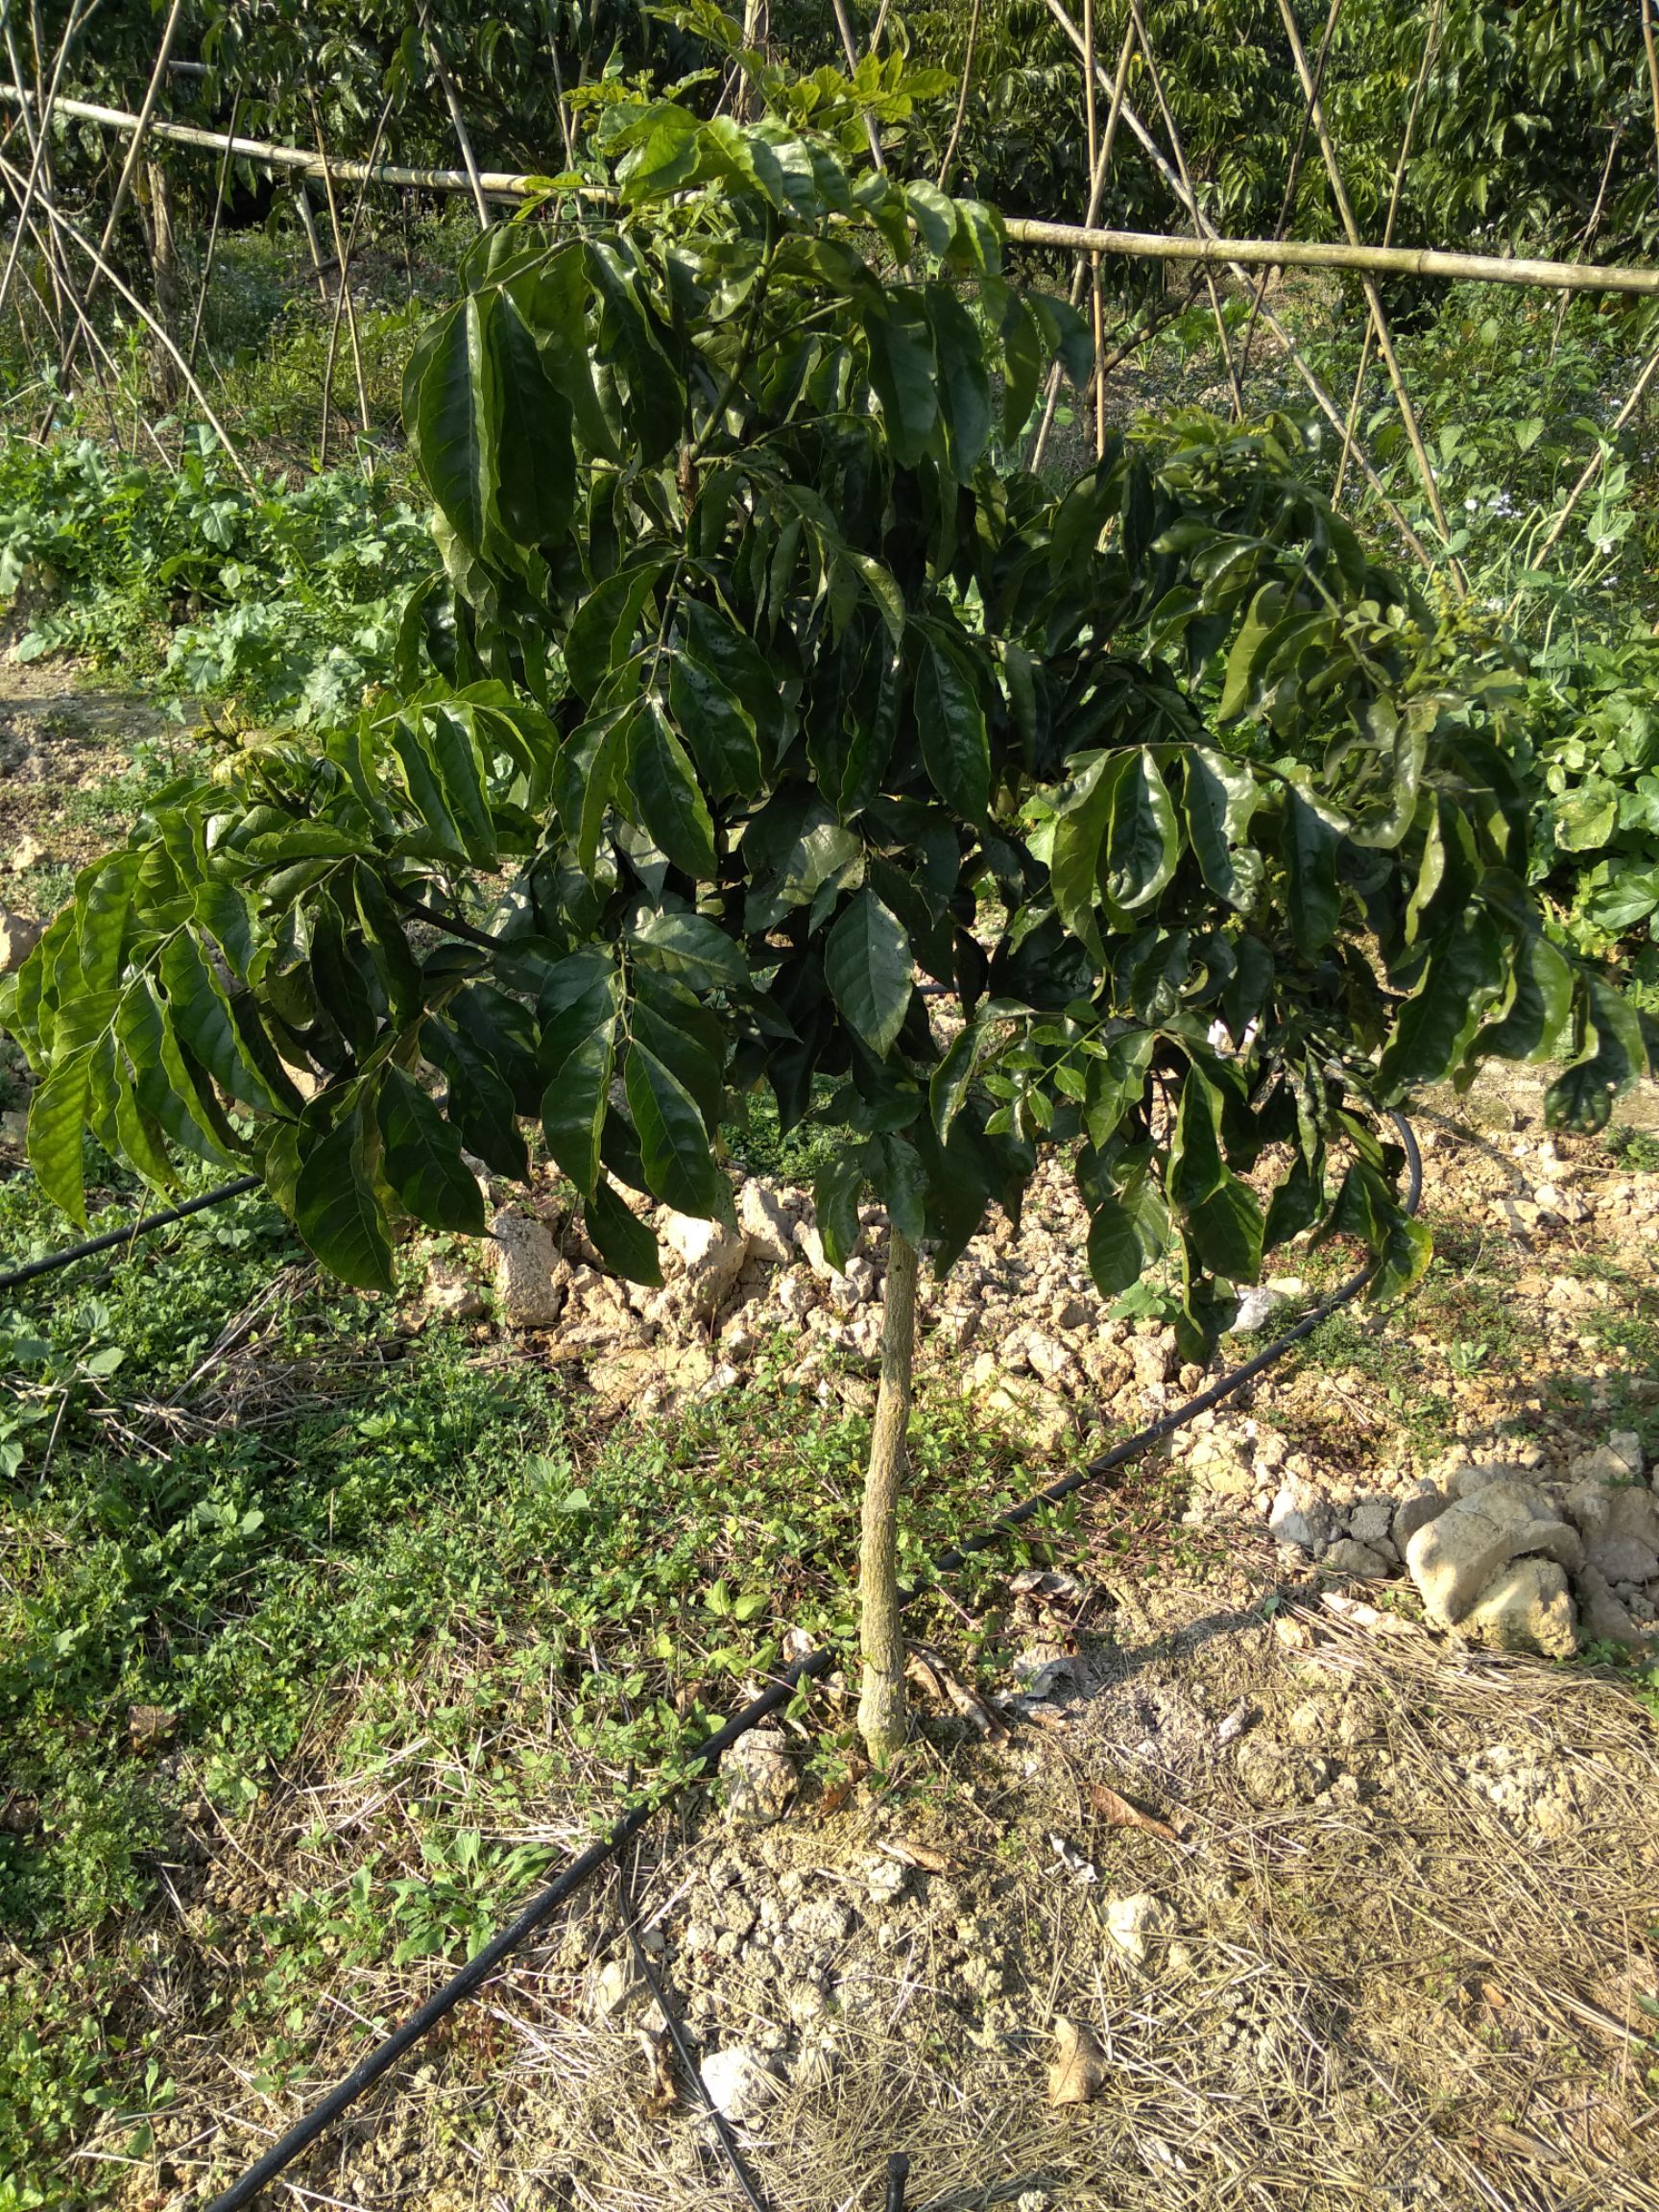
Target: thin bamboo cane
(1097, 304)
(1592, 469)
(1373, 297)
(1096, 197)
(112, 276)
(944, 178)
(1208, 249)
(1587, 235)
(135, 151)
(206, 283)
(1652, 53)
(104, 366)
(1176, 148)
(1431, 48)
(77, 17)
(565, 130)
(40, 152)
(308, 223)
(458, 122)
(844, 25)
(1292, 178)
(341, 297)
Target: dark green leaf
(422, 1159)
(867, 965)
(671, 803)
(623, 1242)
(336, 1211)
(680, 1166)
(951, 722)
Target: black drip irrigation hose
(142, 1227)
(541, 1908)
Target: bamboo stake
(1208, 249)
(110, 275)
(344, 296)
(458, 122)
(1175, 148)
(40, 155)
(213, 235)
(1097, 304)
(1431, 48)
(1373, 297)
(1292, 178)
(1096, 197)
(78, 15)
(104, 366)
(944, 178)
(341, 297)
(1587, 236)
(135, 151)
(1652, 53)
(565, 130)
(848, 43)
(308, 223)
(1592, 469)
(1042, 233)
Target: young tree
(762, 681)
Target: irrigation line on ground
(516, 186)
(705, 1758)
(142, 1227)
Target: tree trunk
(156, 202)
(881, 1717)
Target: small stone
(617, 1990)
(759, 1777)
(822, 1921)
(740, 2081)
(451, 1294)
(1619, 1520)
(1299, 1517)
(1348, 1555)
(1255, 1310)
(1526, 1608)
(19, 938)
(28, 852)
(1134, 1923)
(529, 1273)
(711, 1255)
(1602, 1619)
(767, 1223)
(1072, 1313)
(1372, 1520)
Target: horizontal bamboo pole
(497, 183)
(1071, 237)
(1315, 254)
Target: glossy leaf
(867, 965)
(336, 1211)
(422, 1159)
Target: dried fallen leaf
(1118, 1813)
(1079, 2073)
(921, 1855)
(837, 1793)
(657, 2095)
(925, 1666)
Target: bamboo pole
(206, 281)
(850, 47)
(1432, 263)
(1373, 297)
(1192, 196)
(1431, 48)
(1592, 469)
(135, 151)
(1096, 298)
(342, 298)
(1293, 179)
(1096, 197)
(112, 276)
(78, 15)
(1652, 53)
(943, 179)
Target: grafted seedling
(773, 685)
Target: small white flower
(1472, 505)
(1605, 544)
